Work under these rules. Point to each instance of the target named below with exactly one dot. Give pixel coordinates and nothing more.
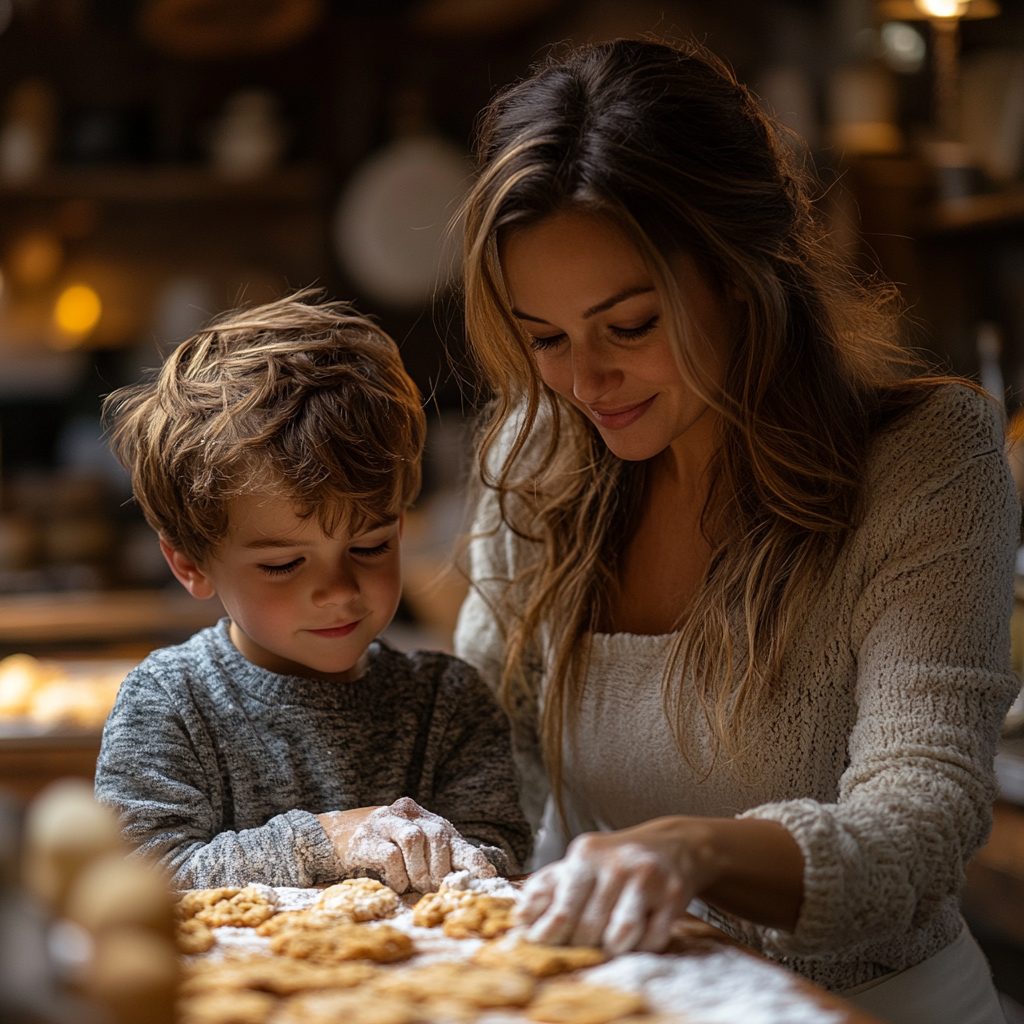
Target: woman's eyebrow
(601, 307)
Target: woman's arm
(623, 889)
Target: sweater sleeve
(931, 638)
(151, 771)
(475, 784)
(480, 640)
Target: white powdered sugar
(714, 988)
(466, 881)
(289, 898)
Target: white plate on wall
(390, 227)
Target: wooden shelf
(300, 183)
(102, 617)
(976, 213)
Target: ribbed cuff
(315, 859)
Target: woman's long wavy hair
(665, 143)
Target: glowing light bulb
(942, 8)
(77, 312)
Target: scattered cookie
(199, 899)
(194, 936)
(227, 1008)
(359, 899)
(344, 941)
(282, 977)
(569, 1002)
(434, 907)
(308, 919)
(350, 1007)
(229, 907)
(458, 982)
(540, 961)
(484, 917)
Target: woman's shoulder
(951, 425)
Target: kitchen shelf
(296, 184)
(102, 617)
(976, 213)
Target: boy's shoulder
(172, 667)
(450, 677)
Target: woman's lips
(334, 632)
(616, 419)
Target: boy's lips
(616, 419)
(334, 632)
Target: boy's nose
(339, 587)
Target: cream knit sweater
(877, 755)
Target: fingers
(598, 911)
(537, 895)
(558, 922)
(415, 848)
(659, 929)
(628, 922)
(385, 858)
(466, 857)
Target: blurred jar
(27, 136)
(249, 139)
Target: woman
(743, 585)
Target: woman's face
(584, 293)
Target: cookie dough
(359, 899)
(464, 914)
(227, 1008)
(569, 1002)
(193, 936)
(452, 982)
(350, 1007)
(228, 907)
(343, 941)
(540, 961)
(484, 917)
(282, 977)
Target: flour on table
(714, 988)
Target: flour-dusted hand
(619, 890)
(408, 846)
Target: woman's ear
(187, 572)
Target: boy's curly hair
(297, 397)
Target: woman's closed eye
(282, 570)
(632, 333)
(543, 344)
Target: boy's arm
(476, 785)
(158, 775)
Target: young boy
(275, 454)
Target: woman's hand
(623, 890)
(620, 890)
(405, 844)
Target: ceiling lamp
(945, 17)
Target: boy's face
(301, 603)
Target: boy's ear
(187, 572)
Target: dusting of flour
(716, 988)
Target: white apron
(952, 987)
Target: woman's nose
(593, 375)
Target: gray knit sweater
(218, 767)
(877, 752)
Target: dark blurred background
(164, 160)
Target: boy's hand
(407, 845)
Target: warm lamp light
(942, 8)
(77, 311)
